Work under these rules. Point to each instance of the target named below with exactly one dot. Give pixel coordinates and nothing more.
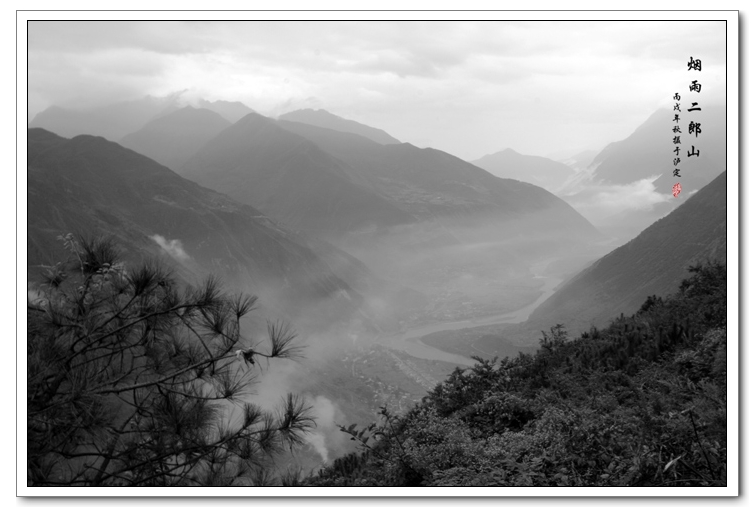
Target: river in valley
(409, 340)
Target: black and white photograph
(483, 255)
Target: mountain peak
(311, 111)
(254, 118)
(232, 111)
(173, 137)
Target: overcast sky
(468, 88)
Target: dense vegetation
(641, 402)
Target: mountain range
(337, 224)
(115, 121)
(93, 186)
(340, 185)
(354, 185)
(435, 186)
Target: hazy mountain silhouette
(231, 111)
(543, 172)
(288, 177)
(112, 121)
(92, 185)
(651, 264)
(172, 139)
(322, 118)
(115, 121)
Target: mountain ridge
(325, 119)
(116, 120)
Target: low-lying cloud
(328, 417)
(172, 247)
(597, 202)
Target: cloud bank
(468, 88)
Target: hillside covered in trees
(641, 402)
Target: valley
(400, 366)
